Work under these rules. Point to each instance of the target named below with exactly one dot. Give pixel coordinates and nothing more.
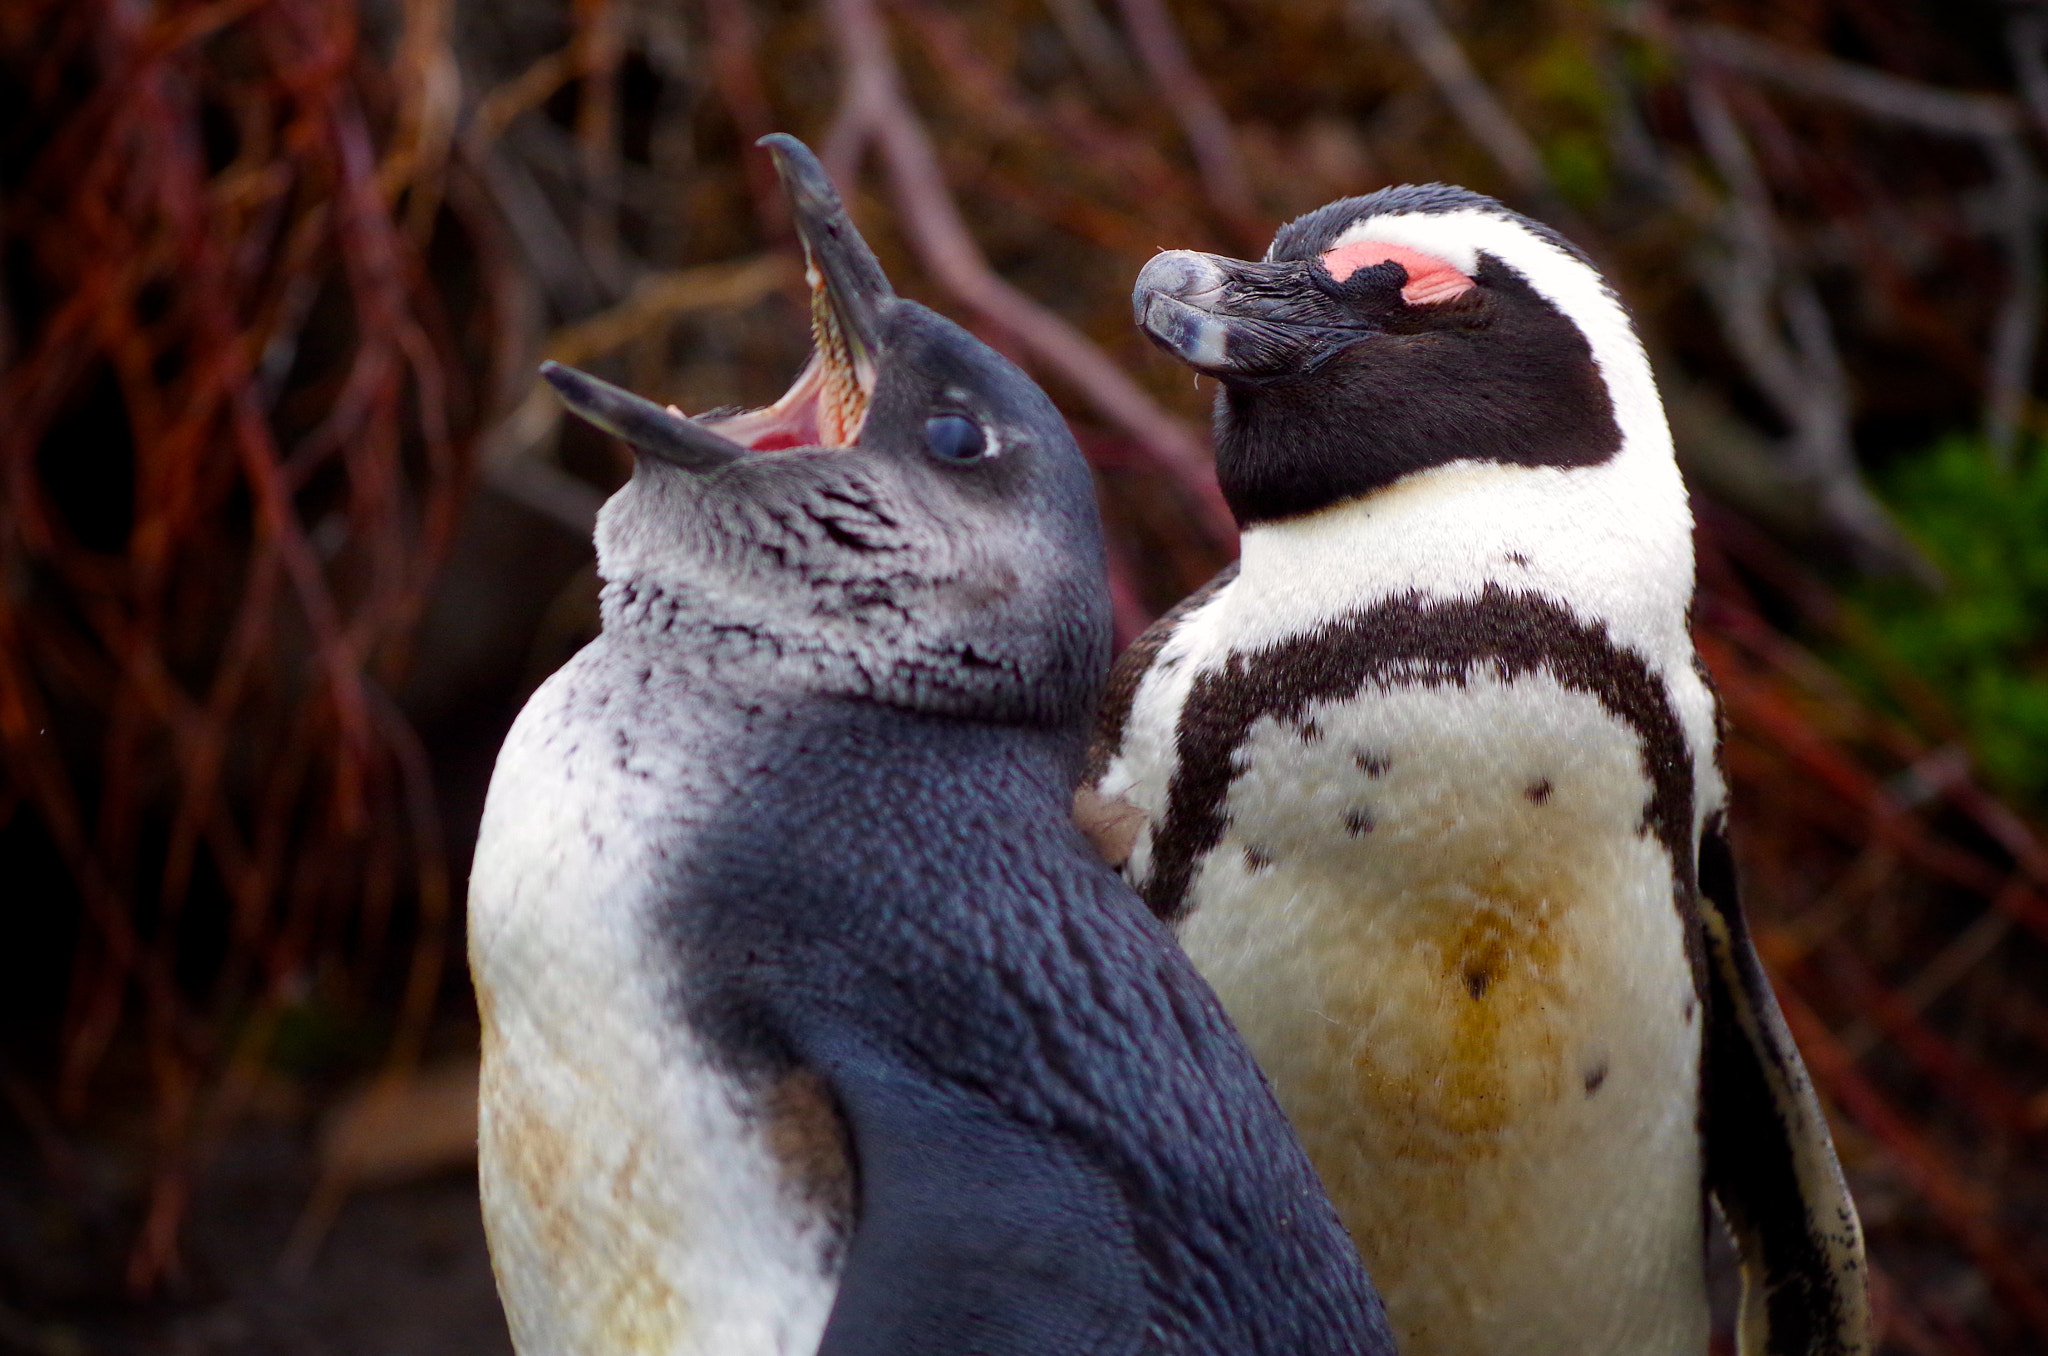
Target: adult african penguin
(1427, 785)
(811, 1023)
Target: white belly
(1436, 922)
(632, 1196)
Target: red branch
(873, 107)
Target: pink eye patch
(1429, 278)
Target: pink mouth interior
(792, 421)
(825, 407)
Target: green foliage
(1564, 75)
(1980, 645)
(1576, 100)
(315, 1038)
(1578, 166)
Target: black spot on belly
(1538, 791)
(1256, 859)
(1358, 822)
(1309, 731)
(1517, 558)
(1595, 1076)
(1370, 763)
(1419, 642)
(1477, 982)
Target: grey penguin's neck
(794, 665)
(681, 631)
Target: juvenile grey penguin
(811, 1023)
(1427, 785)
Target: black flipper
(1770, 1160)
(974, 1232)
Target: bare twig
(1876, 93)
(1995, 123)
(874, 107)
(1440, 54)
(1795, 364)
(1958, 1203)
(2017, 332)
(1202, 121)
(661, 297)
(550, 249)
(220, 641)
(1968, 950)
(515, 460)
(2026, 37)
(735, 45)
(524, 92)
(1162, 204)
(429, 82)
(1094, 44)
(598, 49)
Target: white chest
(1435, 917)
(633, 1191)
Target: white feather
(631, 1201)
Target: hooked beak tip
(1233, 319)
(794, 160)
(1184, 274)
(1172, 302)
(843, 266)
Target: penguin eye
(950, 437)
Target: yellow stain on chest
(1470, 1015)
(1436, 919)
(1456, 956)
(574, 1237)
(1440, 1019)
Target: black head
(1386, 334)
(912, 523)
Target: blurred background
(288, 530)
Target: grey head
(910, 524)
(1386, 334)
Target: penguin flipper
(975, 1231)
(1770, 1160)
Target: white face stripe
(1424, 231)
(1576, 290)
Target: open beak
(656, 430)
(828, 403)
(1232, 318)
